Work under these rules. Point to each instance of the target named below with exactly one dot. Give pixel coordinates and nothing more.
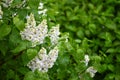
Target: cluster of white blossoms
(91, 71)
(43, 61)
(41, 9)
(54, 34)
(37, 34)
(86, 57)
(6, 3)
(33, 33)
(1, 12)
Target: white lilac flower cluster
(1, 12)
(37, 34)
(41, 9)
(33, 33)
(54, 34)
(91, 71)
(7, 3)
(43, 61)
(86, 57)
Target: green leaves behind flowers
(36, 76)
(18, 23)
(31, 53)
(21, 46)
(4, 30)
(28, 55)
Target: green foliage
(4, 30)
(18, 23)
(93, 27)
(36, 76)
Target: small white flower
(91, 71)
(27, 16)
(40, 5)
(54, 34)
(41, 10)
(86, 57)
(1, 12)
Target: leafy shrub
(88, 28)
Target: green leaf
(31, 53)
(85, 76)
(33, 4)
(101, 68)
(111, 25)
(118, 57)
(111, 50)
(78, 55)
(61, 73)
(17, 77)
(25, 59)
(96, 58)
(109, 76)
(77, 40)
(111, 67)
(64, 60)
(3, 47)
(14, 37)
(69, 46)
(36, 76)
(108, 36)
(18, 23)
(85, 44)
(29, 76)
(80, 33)
(4, 30)
(22, 46)
(117, 77)
(92, 28)
(23, 70)
(41, 75)
(10, 74)
(71, 28)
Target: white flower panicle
(41, 10)
(37, 34)
(53, 54)
(42, 55)
(1, 12)
(43, 61)
(40, 5)
(7, 3)
(86, 57)
(33, 33)
(54, 34)
(91, 71)
(31, 21)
